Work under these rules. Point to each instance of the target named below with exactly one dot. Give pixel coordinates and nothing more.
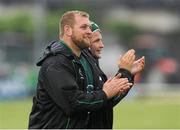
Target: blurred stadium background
(151, 27)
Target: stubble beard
(81, 43)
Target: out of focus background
(151, 27)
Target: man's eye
(97, 40)
(84, 27)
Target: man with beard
(69, 88)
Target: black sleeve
(125, 74)
(65, 92)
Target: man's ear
(67, 30)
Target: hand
(114, 85)
(127, 60)
(138, 66)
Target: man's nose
(101, 45)
(89, 31)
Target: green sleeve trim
(67, 125)
(90, 103)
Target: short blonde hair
(68, 18)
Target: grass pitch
(148, 114)
(144, 113)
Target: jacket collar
(54, 48)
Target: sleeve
(65, 92)
(125, 74)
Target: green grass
(147, 113)
(15, 113)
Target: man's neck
(75, 49)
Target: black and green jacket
(62, 99)
(103, 118)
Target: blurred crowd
(148, 27)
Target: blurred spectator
(31, 80)
(157, 57)
(17, 82)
